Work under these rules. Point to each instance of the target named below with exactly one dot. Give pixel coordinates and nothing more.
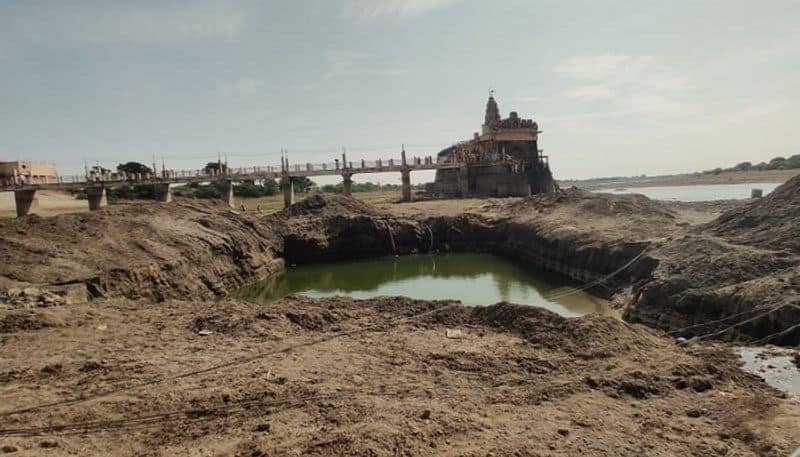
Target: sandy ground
(388, 376)
(726, 177)
(50, 204)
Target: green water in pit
(474, 279)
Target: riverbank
(690, 179)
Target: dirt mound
(734, 278)
(187, 248)
(326, 204)
(25, 321)
(769, 222)
(588, 337)
(601, 204)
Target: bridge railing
(173, 175)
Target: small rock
(425, 415)
(563, 431)
(694, 412)
(30, 292)
(265, 427)
(48, 444)
(204, 332)
(454, 333)
(9, 449)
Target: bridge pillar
(163, 192)
(97, 197)
(288, 191)
(226, 186)
(406, 178)
(347, 184)
(26, 201)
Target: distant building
(27, 172)
(502, 161)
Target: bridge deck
(242, 174)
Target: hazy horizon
(618, 88)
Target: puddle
(773, 364)
(475, 279)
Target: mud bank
(376, 377)
(189, 249)
(659, 269)
(735, 277)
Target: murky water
(475, 279)
(698, 193)
(774, 365)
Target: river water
(474, 279)
(697, 193)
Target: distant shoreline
(725, 177)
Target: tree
(98, 170)
(743, 166)
(302, 184)
(246, 189)
(215, 168)
(778, 163)
(271, 186)
(132, 168)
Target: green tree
(271, 186)
(743, 166)
(132, 168)
(302, 184)
(778, 163)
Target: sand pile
(770, 222)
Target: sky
(617, 87)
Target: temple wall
(497, 181)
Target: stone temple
(504, 160)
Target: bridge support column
(97, 198)
(163, 192)
(26, 201)
(288, 191)
(347, 184)
(226, 186)
(406, 178)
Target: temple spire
(492, 111)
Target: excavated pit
(636, 251)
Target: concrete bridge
(95, 185)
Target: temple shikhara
(504, 160)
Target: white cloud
(591, 92)
(368, 10)
(601, 66)
(631, 84)
(154, 24)
(243, 87)
(351, 63)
